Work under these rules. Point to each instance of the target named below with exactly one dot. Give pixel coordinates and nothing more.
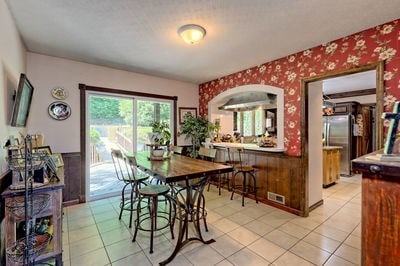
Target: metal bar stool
(221, 179)
(245, 171)
(151, 193)
(132, 179)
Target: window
(250, 123)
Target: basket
(39, 203)
(37, 245)
(17, 162)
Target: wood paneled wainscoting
(278, 175)
(74, 190)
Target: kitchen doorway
(312, 125)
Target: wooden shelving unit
(33, 214)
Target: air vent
(276, 197)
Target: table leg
(185, 209)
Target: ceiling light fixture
(192, 33)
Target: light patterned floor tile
(281, 239)
(310, 253)
(226, 246)
(349, 253)
(244, 236)
(322, 242)
(94, 258)
(247, 257)
(266, 249)
(289, 259)
(241, 240)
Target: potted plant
(196, 129)
(159, 136)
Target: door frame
(379, 67)
(83, 88)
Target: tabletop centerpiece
(160, 139)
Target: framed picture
(43, 149)
(186, 110)
(58, 158)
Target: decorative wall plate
(59, 93)
(59, 110)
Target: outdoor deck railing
(95, 156)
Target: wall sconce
(192, 33)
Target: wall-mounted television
(22, 102)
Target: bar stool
(151, 194)
(132, 179)
(221, 179)
(245, 171)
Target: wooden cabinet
(330, 164)
(48, 217)
(380, 213)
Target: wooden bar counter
(277, 174)
(380, 222)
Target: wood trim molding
(125, 92)
(379, 67)
(351, 93)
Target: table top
(179, 167)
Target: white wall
(314, 142)
(12, 64)
(46, 72)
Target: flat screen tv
(22, 102)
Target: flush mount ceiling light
(192, 33)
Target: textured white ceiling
(141, 35)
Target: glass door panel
(147, 112)
(110, 126)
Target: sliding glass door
(118, 122)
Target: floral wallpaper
(372, 45)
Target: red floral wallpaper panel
(372, 45)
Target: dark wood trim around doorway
(83, 89)
(379, 67)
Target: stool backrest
(119, 165)
(235, 156)
(132, 166)
(207, 154)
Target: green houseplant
(196, 129)
(160, 134)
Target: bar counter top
(247, 146)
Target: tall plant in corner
(196, 129)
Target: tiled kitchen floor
(256, 234)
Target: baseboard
(316, 205)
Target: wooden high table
(380, 214)
(181, 168)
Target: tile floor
(256, 234)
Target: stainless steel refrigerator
(338, 131)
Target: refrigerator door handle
(328, 133)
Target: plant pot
(157, 153)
